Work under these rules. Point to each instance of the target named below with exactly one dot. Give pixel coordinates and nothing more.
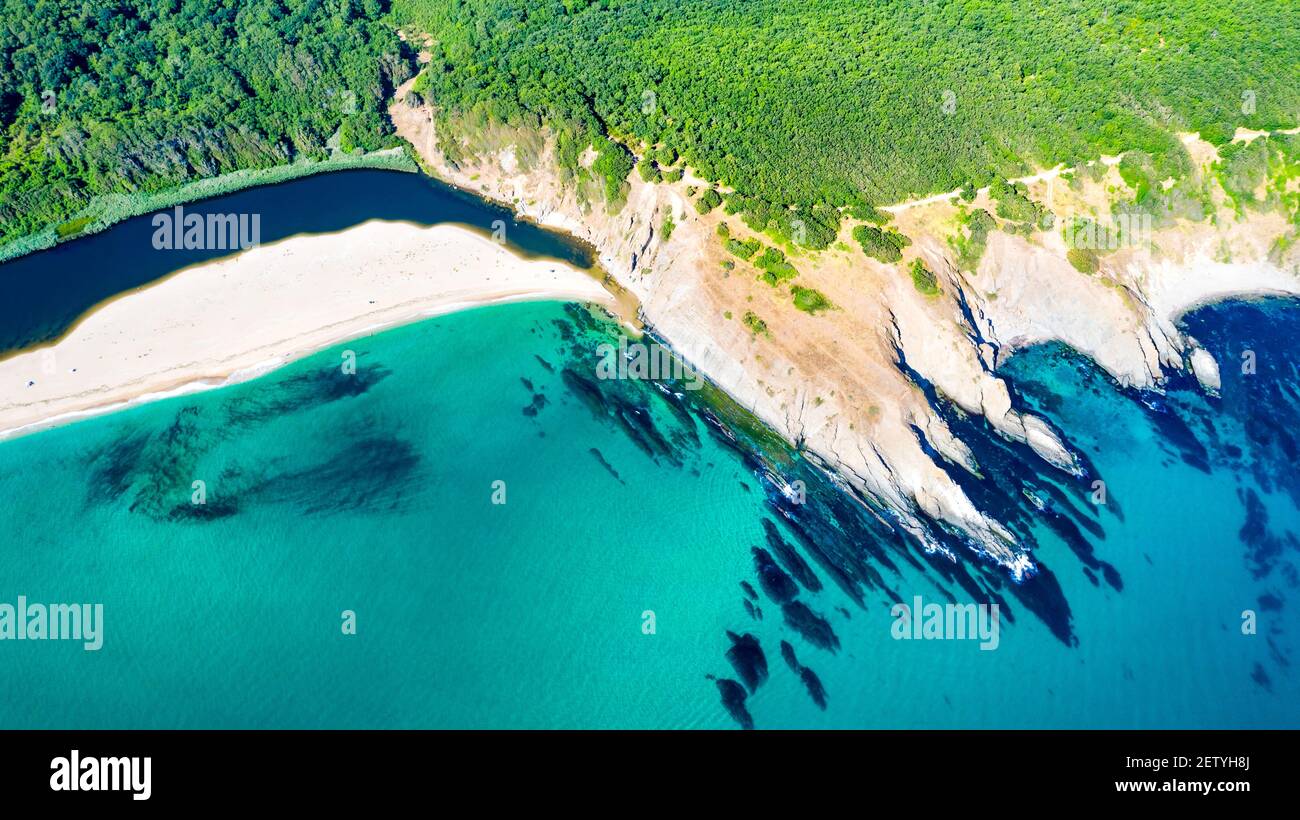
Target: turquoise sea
(649, 566)
(373, 493)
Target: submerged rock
(809, 678)
(791, 560)
(733, 700)
(814, 628)
(747, 658)
(778, 586)
(787, 652)
(814, 686)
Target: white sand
(236, 318)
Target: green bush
(1014, 204)
(613, 164)
(745, 250)
(708, 200)
(1084, 260)
(775, 267)
(666, 230)
(924, 279)
(887, 246)
(809, 300)
(648, 172)
(970, 250)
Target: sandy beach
(236, 318)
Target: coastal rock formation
(857, 386)
(1206, 370)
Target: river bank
(230, 320)
(108, 211)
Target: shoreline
(832, 383)
(219, 323)
(111, 210)
(626, 303)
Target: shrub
(1084, 261)
(924, 279)
(708, 200)
(809, 300)
(648, 171)
(745, 250)
(775, 267)
(887, 246)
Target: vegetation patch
(139, 98)
(612, 166)
(979, 223)
(1241, 170)
(666, 230)
(1014, 204)
(806, 107)
(809, 300)
(923, 279)
(776, 269)
(1084, 260)
(708, 200)
(648, 171)
(73, 227)
(885, 245)
(745, 250)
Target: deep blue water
(373, 493)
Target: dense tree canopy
(797, 107)
(127, 96)
(807, 103)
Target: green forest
(799, 108)
(811, 105)
(140, 96)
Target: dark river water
(46, 293)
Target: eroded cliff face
(847, 384)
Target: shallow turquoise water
(373, 493)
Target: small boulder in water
(1206, 370)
